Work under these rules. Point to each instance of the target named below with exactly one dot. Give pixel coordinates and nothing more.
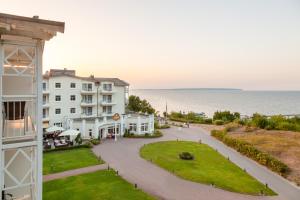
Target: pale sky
(248, 44)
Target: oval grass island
(208, 166)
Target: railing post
(1, 118)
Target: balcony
(87, 115)
(107, 91)
(88, 91)
(107, 103)
(46, 91)
(18, 120)
(46, 118)
(85, 103)
(46, 104)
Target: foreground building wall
(21, 49)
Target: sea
(210, 100)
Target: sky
(247, 44)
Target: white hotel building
(88, 104)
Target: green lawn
(100, 185)
(58, 161)
(208, 166)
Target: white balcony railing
(18, 119)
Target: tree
(135, 104)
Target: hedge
(250, 151)
(88, 145)
(156, 134)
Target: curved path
(123, 156)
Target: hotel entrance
(109, 131)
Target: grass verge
(100, 185)
(58, 161)
(208, 167)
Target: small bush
(208, 121)
(95, 141)
(218, 122)
(186, 156)
(259, 121)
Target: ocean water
(210, 100)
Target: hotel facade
(88, 104)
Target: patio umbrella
(69, 133)
(54, 129)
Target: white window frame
(56, 109)
(72, 96)
(71, 109)
(72, 84)
(56, 84)
(59, 98)
(133, 127)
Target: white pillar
(122, 126)
(139, 124)
(83, 128)
(71, 123)
(96, 129)
(39, 116)
(152, 123)
(115, 130)
(1, 128)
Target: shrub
(218, 122)
(226, 116)
(250, 151)
(287, 126)
(259, 121)
(95, 141)
(208, 121)
(186, 156)
(232, 126)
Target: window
(87, 98)
(44, 86)
(44, 113)
(57, 111)
(88, 111)
(107, 109)
(73, 97)
(144, 127)
(57, 85)
(57, 98)
(107, 98)
(72, 110)
(44, 99)
(132, 127)
(107, 87)
(72, 85)
(59, 124)
(90, 132)
(87, 87)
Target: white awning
(54, 129)
(69, 133)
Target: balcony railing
(18, 119)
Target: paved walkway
(74, 172)
(123, 156)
